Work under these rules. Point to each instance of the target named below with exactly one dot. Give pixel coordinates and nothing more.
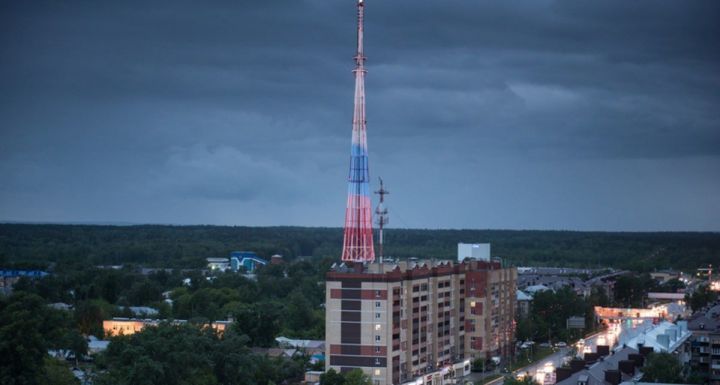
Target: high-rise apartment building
(416, 319)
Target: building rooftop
(408, 269)
(536, 288)
(14, 273)
(143, 311)
(304, 344)
(521, 296)
(708, 320)
(664, 337)
(595, 374)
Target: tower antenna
(382, 217)
(358, 234)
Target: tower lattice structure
(358, 236)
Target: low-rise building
(664, 276)
(523, 304)
(594, 369)
(246, 260)
(8, 277)
(218, 264)
(127, 326)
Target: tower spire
(358, 235)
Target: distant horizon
(131, 224)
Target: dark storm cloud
(545, 114)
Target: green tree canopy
(662, 367)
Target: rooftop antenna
(382, 216)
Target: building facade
(401, 321)
(126, 326)
(704, 344)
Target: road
(556, 358)
(614, 336)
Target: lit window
(377, 327)
(472, 303)
(377, 372)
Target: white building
(478, 251)
(220, 264)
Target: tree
(299, 313)
(190, 354)
(331, 377)
(56, 373)
(89, 316)
(353, 377)
(672, 286)
(28, 328)
(525, 329)
(478, 365)
(700, 297)
(662, 367)
(73, 341)
(356, 377)
(22, 346)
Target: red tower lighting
(358, 236)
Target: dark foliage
(28, 328)
(190, 354)
(188, 246)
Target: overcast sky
(541, 114)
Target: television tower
(382, 216)
(358, 236)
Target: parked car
(560, 345)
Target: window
(377, 373)
(377, 338)
(377, 327)
(377, 293)
(377, 315)
(377, 303)
(377, 348)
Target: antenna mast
(358, 235)
(382, 216)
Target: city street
(612, 336)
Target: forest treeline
(188, 246)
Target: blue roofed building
(247, 260)
(8, 277)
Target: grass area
(527, 357)
(491, 378)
